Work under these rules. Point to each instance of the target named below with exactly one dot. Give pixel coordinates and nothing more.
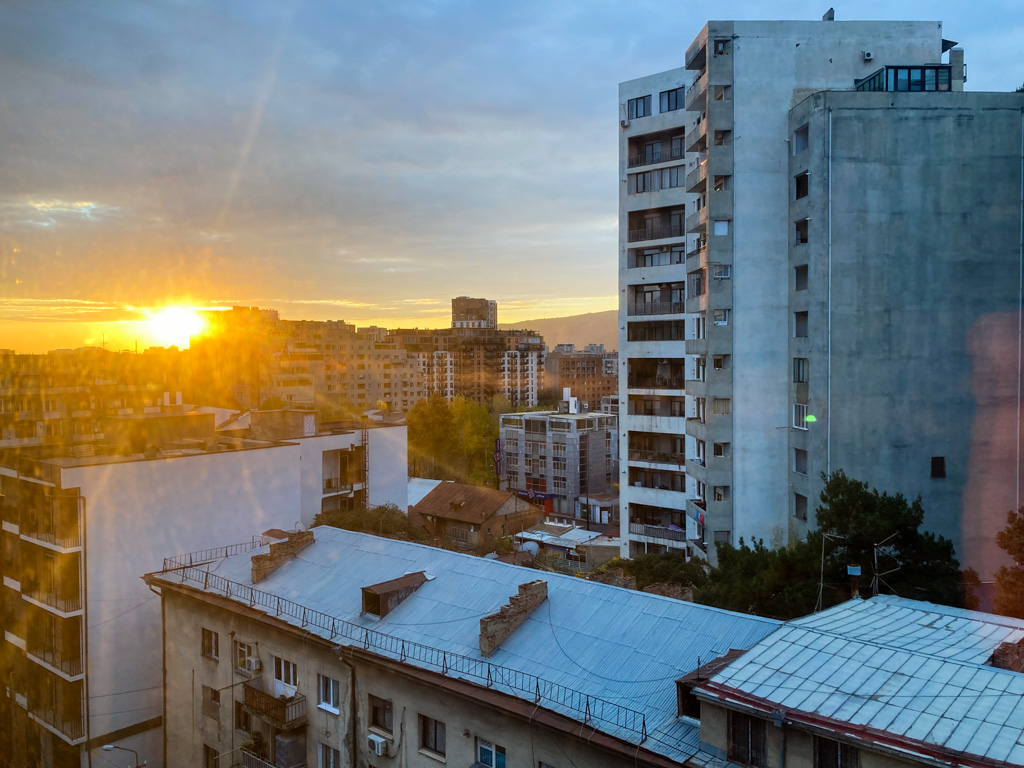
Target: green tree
(474, 441)
(1010, 579)
(431, 438)
(382, 520)
(272, 404)
(657, 569)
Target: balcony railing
(656, 233)
(285, 713)
(656, 382)
(249, 760)
(336, 485)
(66, 663)
(656, 308)
(656, 531)
(54, 600)
(657, 156)
(663, 457)
(72, 729)
(67, 540)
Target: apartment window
(721, 537)
(722, 183)
(211, 703)
(723, 92)
(328, 689)
(747, 740)
(802, 185)
(209, 756)
(800, 461)
(639, 107)
(800, 506)
(721, 46)
(721, 450)
(722, 138)
(211, 644)
(720, 316)
(829, 753)
(800, 415)
(721, 271)
(800, 231)
(490, 754)
(721, 227)
(672, 100)
(696, 282)
(801, 139)
(432, 735)
(380, 714)
(801, 369)
(938, 467)
(720, 362)
(720, 493)
(800, 276)
(800, 322)
(243, 720)
(286, 677)
(329, 756)
(243, 651)
(721, 405)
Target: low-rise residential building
(342, 648)
(559, 457)
(80, 656)
(567, 547)
(471, 516)
(884, 682)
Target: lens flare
(174, 326)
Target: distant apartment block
(819, 267)
(560, 458)
(80, 655)
(474, 313)
(591, 373)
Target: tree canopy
(452, 440)
(1009, 599)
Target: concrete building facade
(840, 292)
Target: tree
(911, 563)
(1021, 89)
(431, 438)
(474, 441)
(1010, 579)
(657, 569)
(272, 404)
(382, 520)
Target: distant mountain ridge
(590, 328)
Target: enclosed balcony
(653, 148)
(656, 299)
(656, 374)
(656, 224)
(286, 713)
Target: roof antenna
(830, 15)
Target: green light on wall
(810, 418)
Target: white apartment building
(804, 301)
(80, 656)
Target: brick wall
(494, 629)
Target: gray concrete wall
(926, 221)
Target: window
(721, 405)
(747, 740)
(801, 369)
(800, 415)
(639, 107)
(800, 506)
(209, 756)
(723, 92)
(672, 100)
(380, 714)
(833, 754)
(243, 720)
(720, 493)
(490, 754)
(720, 362)
(721, 227)
(938, 467)
(695, 280)
(800, 325)
(211, 644)
(286, 677)
(721, 537)
(432, 735)
(243, 651)
(801, 185)
(721, 271)
(329, 756)
(211, 702)
(328, 693)
(800, 461)
(800, 275)
(721, 47)
(720, 316)
(722, 138)
(801, 231)
(801, 138)
(720, 450)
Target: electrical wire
(122, 613)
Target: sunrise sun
(174, 325)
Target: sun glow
(174, 325)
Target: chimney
(280, 553)
(497, 627)
(1009, 656)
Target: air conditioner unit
(378, 745)
(869, 56)
(252, 664)
(624, 123)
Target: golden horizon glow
(174, 326)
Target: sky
(364, 161)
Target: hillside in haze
(591, 328)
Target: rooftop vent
(381, 599)
(280, 553)
(497, 627)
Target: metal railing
(656, 531)
(656, 308)
(656, 382)
(73, 729)
(505, 679)
(664, 457)
(284, 713)
(58, 540)
(215, 553)
(249, 760)
(655, 233)
(658, 156)
(70, 665)
(336, 485)
(53, 600)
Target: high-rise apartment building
(833, 285)
(474, 313)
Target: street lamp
(112, 747)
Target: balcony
(72, 730)
(69, 665)
(657, 532)
(657, 457)
(656, 308)
(249, 760)
(676, 382)
(62, 601)
(63, 540)
(655, 233)
(696, 173)
(337, 485)
(656, 156)
(284, 713)
(695, 92)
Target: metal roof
(618, 645)
(904, 668)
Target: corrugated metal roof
(622, 646)
(466, 503)
(910, 669)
